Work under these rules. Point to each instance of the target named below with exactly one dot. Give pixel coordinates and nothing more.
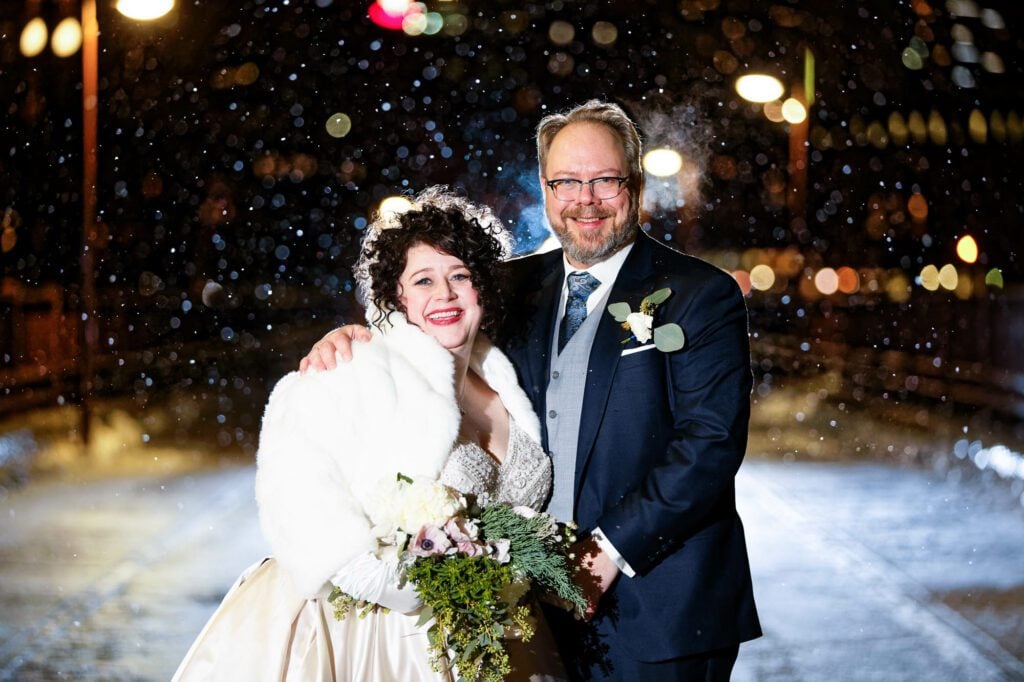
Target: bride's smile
(436, 290)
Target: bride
(429, 396)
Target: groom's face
(590, 229)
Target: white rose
(640, 325)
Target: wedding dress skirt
(263, 630)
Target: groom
(646, 443)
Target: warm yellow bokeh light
(762, 277)
(662, 162)
(33, 37)
(144, 10)
(394, 205)
(948, 277)
(338, 125)
(793, 111)
(930, 277)
(896, 286)
(759, 88)
(967, 249)
(826, 281)
(67, 37)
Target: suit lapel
(607, 349)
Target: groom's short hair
(595, 111)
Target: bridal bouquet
(472, 568)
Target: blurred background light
(948, 277)
(773, 111)
(793, 111)
(930, 277)
(849, 280)
(338, 125)
(826, 281)
(144, 10)
(662, 162)
(604, 33)
(67, 37)
(759, 88)
(994, 278)
(33, 37)
(967, 249)
(396, 204)
(762, 277)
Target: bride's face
(437, 293)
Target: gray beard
(588, 254)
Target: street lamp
(65, 41)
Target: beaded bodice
(522, 478)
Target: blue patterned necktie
(581, 285)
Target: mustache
(587, 213)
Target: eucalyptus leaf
(620, 311)
(669, 337)
(658, 297)
(426, 613)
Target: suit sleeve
(692, 484)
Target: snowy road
(862, 572)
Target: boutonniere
(667, 337)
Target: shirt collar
(606, 271)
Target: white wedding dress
(262, 631)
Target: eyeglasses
(568, 189)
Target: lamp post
(140, 10)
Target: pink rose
(431, 540)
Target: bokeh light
(930, 277)
(773, 111)
(338, 125)
(33, 37)
(742, 278)
(793, 111)
(967, 249)
(762, 277)
(396, 204)
(144, 10)
(849, 280)
(663, 162)
(759, 88)
(389, 14)
(67, 37)
(604, 33)
(977, 126)
(826, 281)
(561, 32)
(948, 277)
(994, 278)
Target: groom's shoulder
(671, 262)
(529, 270)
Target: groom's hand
(338, 343)
(594, 571)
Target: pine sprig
(538, 549)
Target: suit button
(554, 375)
(552, 414)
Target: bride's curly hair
(449, 223)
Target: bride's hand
(338, 343)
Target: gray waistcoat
(566, 383)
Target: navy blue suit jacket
(661, 438)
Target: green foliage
(655, 299)
(620, 311)
(464, 596)
(538, 549)
(345, 603)
(669, 337)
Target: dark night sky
(216, 165)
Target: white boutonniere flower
(667, 337)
